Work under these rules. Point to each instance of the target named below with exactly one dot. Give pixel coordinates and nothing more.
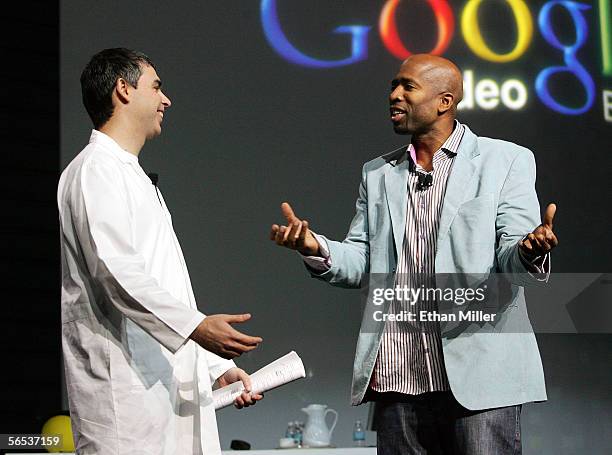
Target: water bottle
(359, 437)
(290, 432)
(299, 433)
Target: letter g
(280, 43)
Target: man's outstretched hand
(215, 334)
(295, 234)
(542, 239)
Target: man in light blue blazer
(487, 221)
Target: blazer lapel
(461, 173)
(396, 193)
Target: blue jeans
(434, 423)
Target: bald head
(425, 94)
(439, 73)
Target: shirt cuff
(190, 327)
(538, 267)
(321, 263)
(218, 366)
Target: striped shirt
(410, 359)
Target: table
(321, 451)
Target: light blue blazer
(489, 205)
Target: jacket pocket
(472, 234)
(475, 220)
(484, 201)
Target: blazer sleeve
(518, 213)
(350, 259)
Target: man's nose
(165, 100)
(396, 94)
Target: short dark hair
(100, 75)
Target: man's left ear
(446, 102)
(123, 90)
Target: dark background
(30, 379)
(248, 130)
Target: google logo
(487, 94)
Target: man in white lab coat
(139, 357)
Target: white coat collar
(98, 137)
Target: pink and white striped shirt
(410, 357)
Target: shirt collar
(451, 144)
(98, 137)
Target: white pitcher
(316, 432)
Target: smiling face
(424, 90)
(148, 103)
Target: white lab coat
(136, 384)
